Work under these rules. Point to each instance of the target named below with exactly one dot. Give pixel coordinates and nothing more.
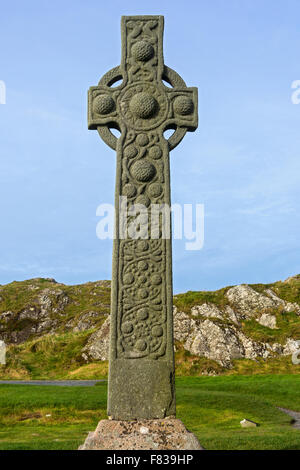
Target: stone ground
(62, 383)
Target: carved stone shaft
(141, 365)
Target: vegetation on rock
(57, 331)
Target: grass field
(34, 417)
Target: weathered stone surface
(215, 342)
(97, 346)
(232, 315)
(51, 310)
(248, 303)
(36, 319)
(86, 321)
(247, 423)
(267, 320)
(219, 342)
(290, 347)
(207, 310)
(183, 325)
(2, 352)
(158, 434)
(141, 358)
(286, 306)
(252, 349)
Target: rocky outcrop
(249, 303)
(207, 310)
(51, 308)
(220, 342)
(216, 331)
(97, 347)
(40, 317)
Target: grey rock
(183, 325)
(249, 303)
(97, 347)
(291, 346)
(2, 353)
(252, 349)
(247, 423)
(207, 310)
(232, 315)
(287, 306)
(86, 321)
(267, 320)
(216, 342)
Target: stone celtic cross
(142, 107)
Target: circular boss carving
(142, 199)
(142, 293)
(143, 105)
(155, 152)
(156, 279)
(141, 345)
(130, 151)
(142, 245)
(155, 189)
(142, 51)
(142, 140)
(103, 104)
(128, 278)
(143, 171)
(183, 105)
(127, 327)
(129, 190)
(142, 314)
(157, 331)
(143, 265)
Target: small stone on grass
(247, 423)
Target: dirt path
(294, 414)
(61, 383)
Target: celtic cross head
(142, 102)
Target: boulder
(267, 320)
(97, 347)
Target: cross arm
(183, 108)
(102, 107)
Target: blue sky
(243, 162)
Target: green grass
(211, 407)
(184, 302)
(288, 326)
(289, 291)
(51, 357)
(59, 357)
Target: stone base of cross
(152, 434)
(141, 383)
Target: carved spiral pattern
(142, 308)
